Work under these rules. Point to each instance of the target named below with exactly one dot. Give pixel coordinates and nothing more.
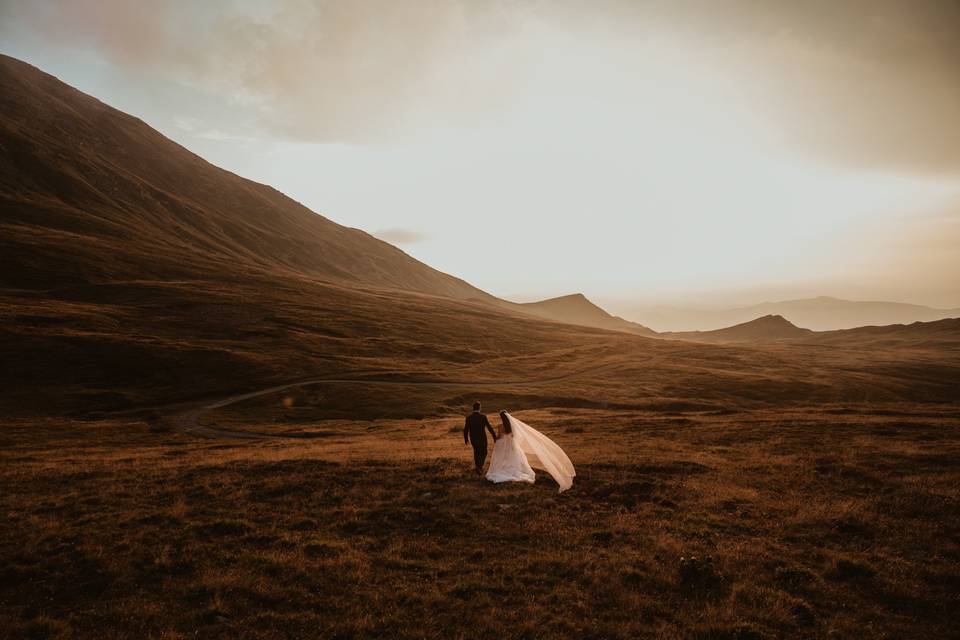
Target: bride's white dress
(508, 463)
(515, 452)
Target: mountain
(577, 309)
(820, 314)
(132, 271)
(766, 329)
(92, 194)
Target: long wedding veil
(543, 453)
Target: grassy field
(825, 521)
(816, 485)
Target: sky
(640, 152)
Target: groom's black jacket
(473, 430)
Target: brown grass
(839, 523)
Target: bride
(518, 441)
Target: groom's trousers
(479, 453)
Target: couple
(516, 446)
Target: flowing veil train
(543, 453)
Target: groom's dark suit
(475, 429)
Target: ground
(833, 520)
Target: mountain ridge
(128, 184)
(160, 212)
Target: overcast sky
(699, 152)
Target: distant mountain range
(939, 334)
(819, 314)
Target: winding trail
(188, 420)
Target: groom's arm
(490, 429)
(466, 427)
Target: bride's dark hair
(506, 422)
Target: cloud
(866, 83)
(317, 71)
(400, 236)
(863, 82)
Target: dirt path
(188, 420)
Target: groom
(473, 432)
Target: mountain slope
(134, 272)
(577, 309)
(93, 194)
(766, 329)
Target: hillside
(577, 309)
(91, 194)
(765, 329)
(134, 272)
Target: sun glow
(612, 169)
(618, 150)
